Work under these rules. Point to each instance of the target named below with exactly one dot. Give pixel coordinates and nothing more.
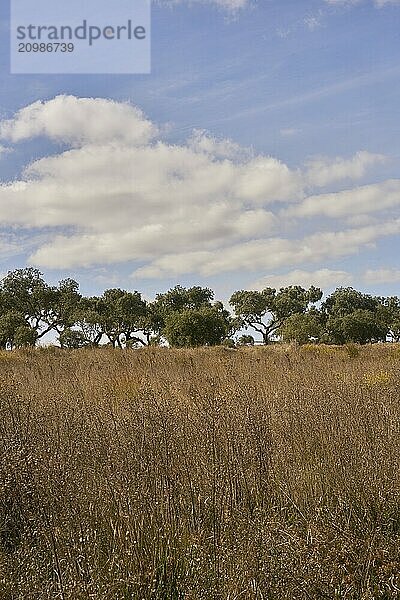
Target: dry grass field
(259, 473)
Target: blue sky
(263, 149)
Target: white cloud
(119, 194)
(382, 276)
(358, 201)
(79, 120)
(323, 278)
(128, 200)
(361, 220)
(201, 141)
(120, 187)
(270, 253)
(323, 171)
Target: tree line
(30, 309)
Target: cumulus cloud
(127, 198)
(358, 201)
(323, 278)
(118, 193)
(79, 120)
(270, 253)
(381, 276)
(201, 141)
(145, 200)
(323, 171)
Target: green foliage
(267, 311)
(303, 327)
(245, 340)
(352, 316)
(360, 326)
(11, 324)
(30, 308)
(121, 315)
(344, 301)
(25, 291)
(65, 302)
(186, 317)
(229, 343)
(87, 322)
(178, 299)
(41, 307)
(73, 339)
(389, 313)
(25, 336)
(204, 326)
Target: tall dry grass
(200, 474)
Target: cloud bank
(118, 193)
(323, 278)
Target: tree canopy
(30, 309)
(267, 311)
(352, 316)
(190, 327)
